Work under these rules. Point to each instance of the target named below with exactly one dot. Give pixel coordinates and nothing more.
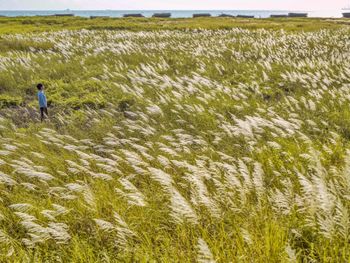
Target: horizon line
(38, 10)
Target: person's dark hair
(39, 86)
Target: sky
(173, 4)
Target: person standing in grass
(42, 102)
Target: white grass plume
(181, 210)
(131, 193)
(204, 253)
(6, 179)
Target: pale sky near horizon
(173, 4)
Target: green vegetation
(225, 142)
(40, 24)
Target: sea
(174, 13)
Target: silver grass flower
(6, 179)
(4, 238)
(204, 253)
(292, 257)
(258, 178)
(123, 231)
(181, 210)
(244, 171)
(246, 236)
(23, 207)
(131, 193)
(161, 177)
(104, 225)
(59, 232)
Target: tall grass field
(180, 140)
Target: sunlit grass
(226, 145)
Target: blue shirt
(42, 99)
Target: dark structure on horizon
(202, 15)
(63, 15)
(95, 17)
(133, 15)
(278, 16)
(162, 15)
(346, 15)
(245, 16)
(297, 15)
(225, 15)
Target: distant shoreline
(174, 13)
